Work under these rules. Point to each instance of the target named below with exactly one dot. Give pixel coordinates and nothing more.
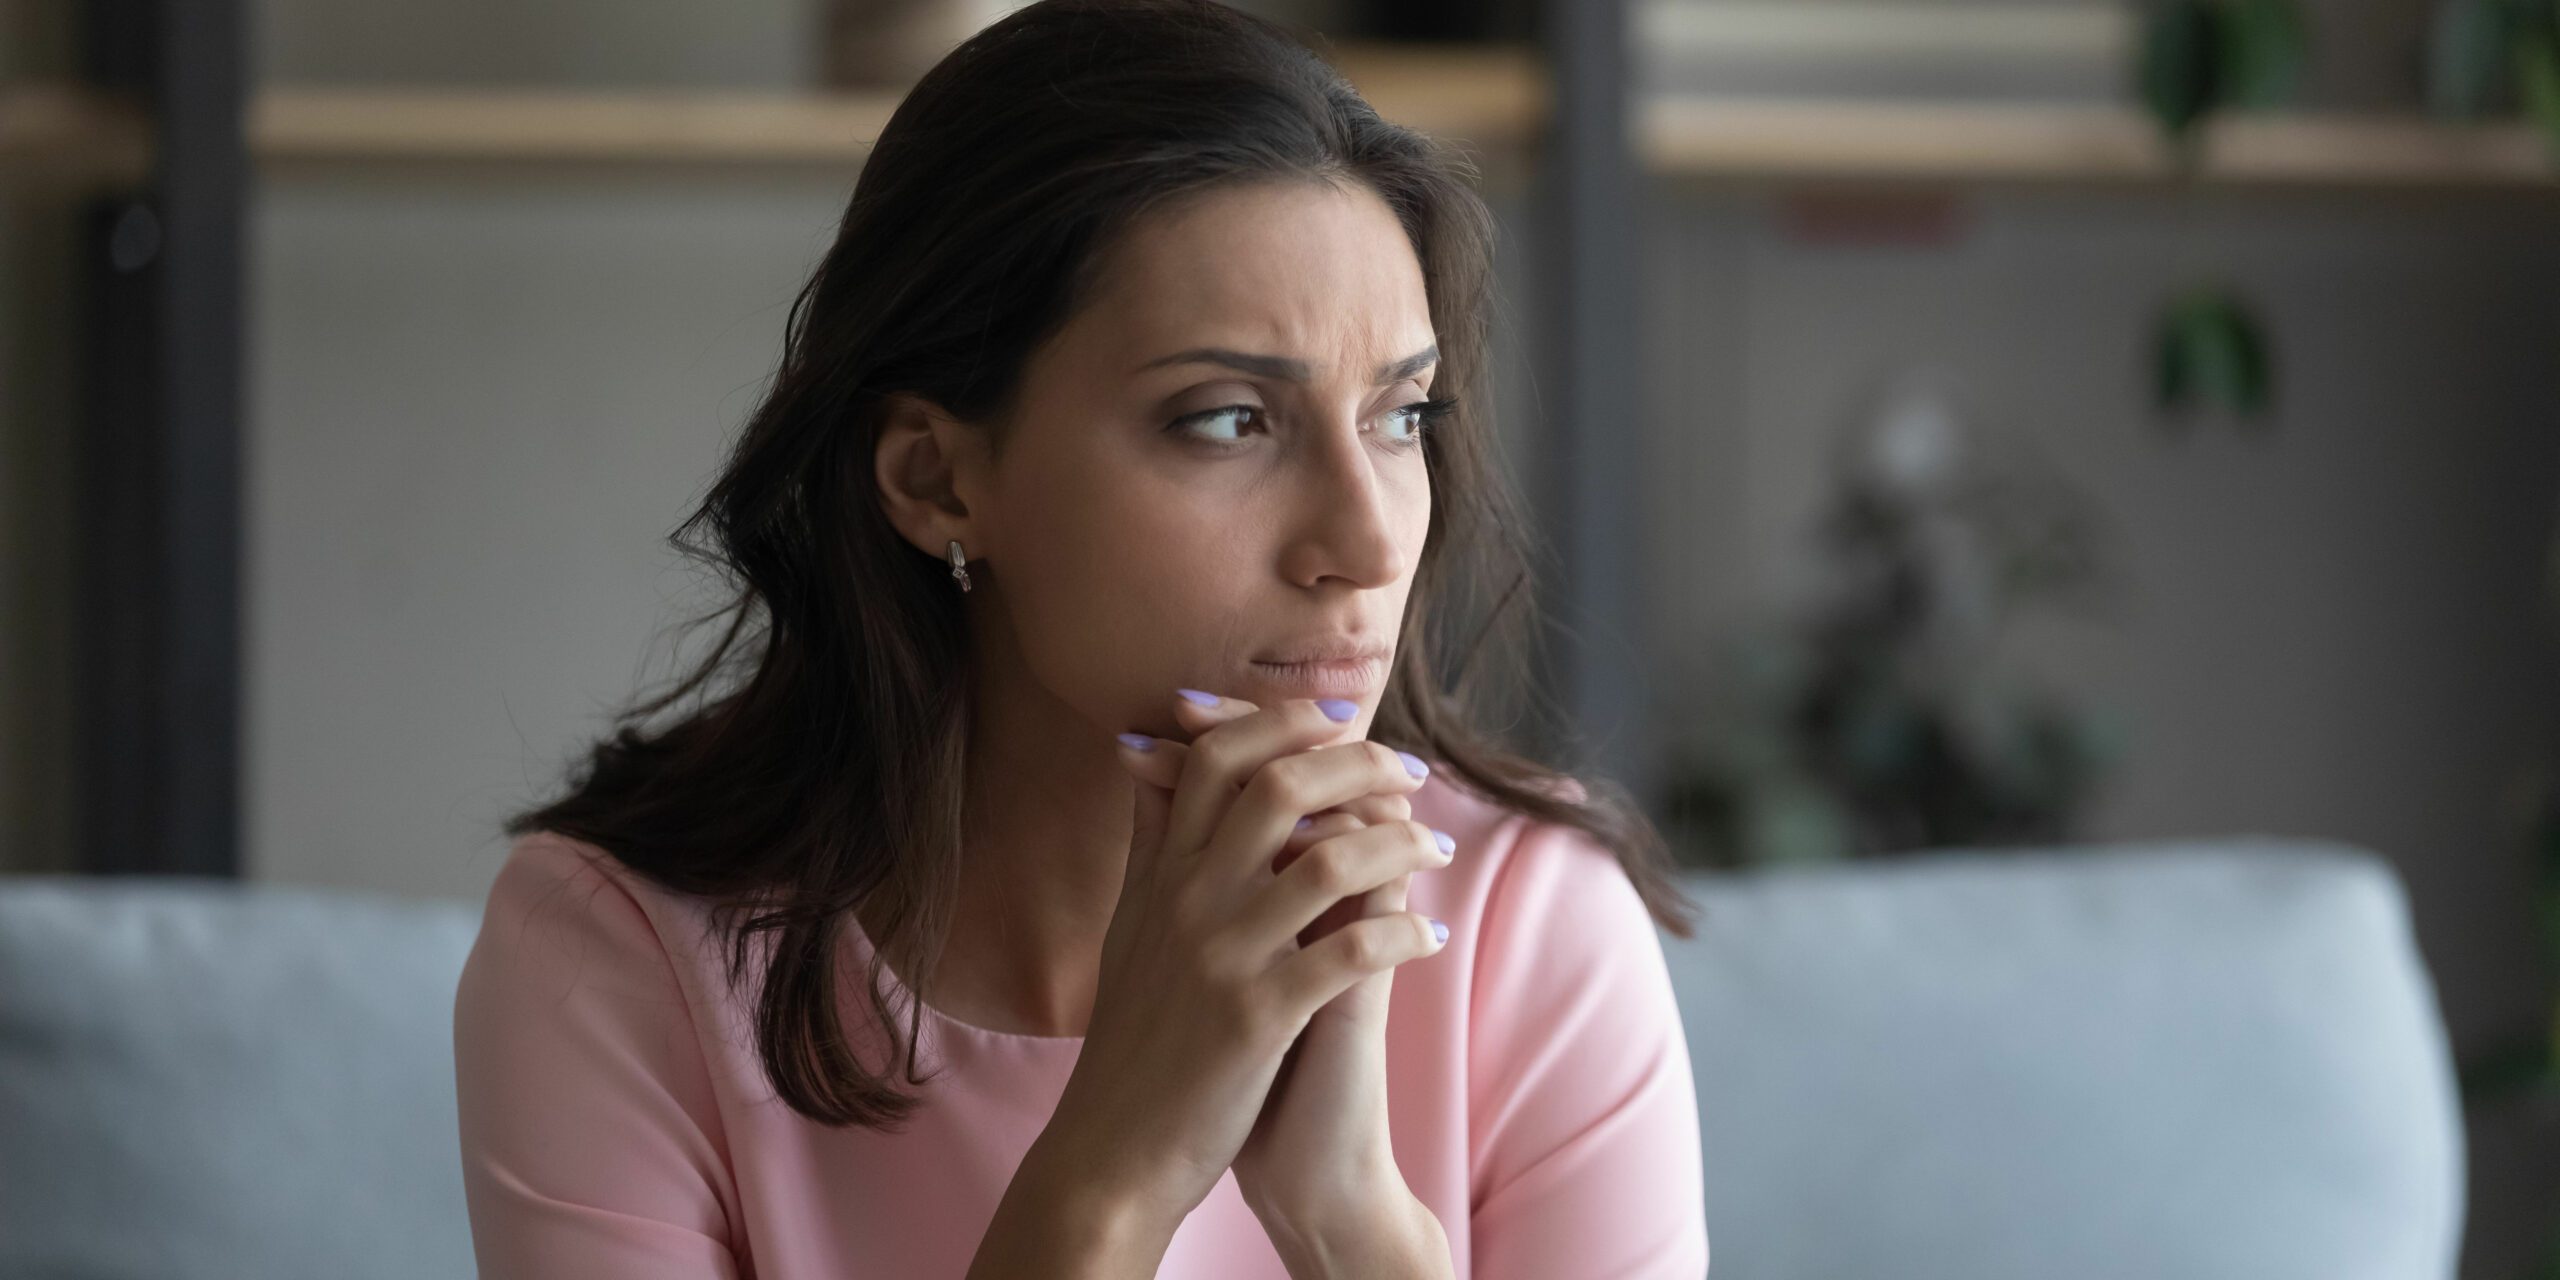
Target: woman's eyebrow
(1287, 369)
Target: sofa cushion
(204, 1079)
(2213, 1060)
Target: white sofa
(2197, 1061)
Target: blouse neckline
(899, 987)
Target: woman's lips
(1342, 678)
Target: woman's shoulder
(561, 903)
(547, 873)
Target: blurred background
(1965, 424)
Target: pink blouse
(616, 1124)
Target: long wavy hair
(814, 757)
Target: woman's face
(1214, 469)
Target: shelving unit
(73, 135)
(152, 146)
(1738, 139)
(1495, 100)
(163, 269)
(163, 148)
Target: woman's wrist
(1391, 1233)
(1057, 1219)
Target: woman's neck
(1044, 849)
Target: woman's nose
(1348, 528)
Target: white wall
(479, 409)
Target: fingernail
(1304, 823)
(1137, 742)
(1448, 843)
(1413, 764)
(1341, 709)
(1439, 931)
(1204, 699)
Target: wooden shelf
(1493, 102)
(1765, 140)
(294, 126)
(1486, 99)
(1482, 98)
(57, 133)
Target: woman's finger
(1225, 758)
(1377, 808)
(1198, 716)
(1193, 713)
(1159, 764)
(1314, 827)
(1155, 761)
(1343, 874)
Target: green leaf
(2263, 46)
(2211, 349)
(2537, 69)
(2467, 58)
(2179, 72)
(1797, 824)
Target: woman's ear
(921, 470)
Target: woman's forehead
(1316, 273)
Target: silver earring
(959, 564)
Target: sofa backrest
(201, 1078)
(2193, 1059)
(2203, 1059)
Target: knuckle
(1294, 782)
(1327, 867)
(1286, 782)
(1213, 753)
(1423, 840)
(1363, 947)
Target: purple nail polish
(1204, 699)
(1413, 764)
(1447, 842)
(1137, 742)
(1304, 823)
(1439, 931)
(1341, 709)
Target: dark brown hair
(820, 766)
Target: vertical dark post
(159, 576)
(1589, 401)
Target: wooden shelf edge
(1468, 95)
(1482, 99)
(69, 133)
(301, 125)
(1713, 138)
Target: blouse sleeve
(1585, 1160)
(591, 1145)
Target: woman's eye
(1418, 419)
(1223, 413)
(1426, 416)
(1415, 418)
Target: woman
(1075, 864)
